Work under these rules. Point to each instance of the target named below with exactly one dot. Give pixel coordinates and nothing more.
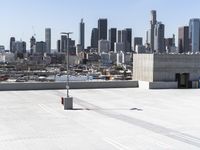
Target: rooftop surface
(103, 119)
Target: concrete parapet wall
(163, 85)
(143, 84)
(62, 85)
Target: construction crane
(34, 34)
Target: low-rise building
(179, 70)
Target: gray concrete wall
(166, 66)
(62, 85)
(143, 67)
(163, 85)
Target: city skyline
(65, 16)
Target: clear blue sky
(19, 16)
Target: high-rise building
(20, 47)
(137, 41)
(2, 48)
(94, 38)
(78, 49)
(112, 37)
(152, 23)
(148, 37)
(63, 43)
(41, 47)
(153, 17)
(183, 39)
(58, 45)
(103, 46)
(119, 46)
(12, 44)
(128, 43)
(72, 46)
(32, 44)
(125, 37)
(159, 38)
(194, 34)
(102, 29)
(174, 40)
(119, 36)
(168, 45)
(48, 40)
(82, 35)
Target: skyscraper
(137, 41)
(119, 36)
(124, 39)
(58, 45)
(32, 44)
(72, 47)
(152, 23)
(20, 47)
(123, 36)
(112, 37)
(148, 37)
(41, 47)
(94, 38)
(121, 40)
(82, 34)
(128, 43)
(183, 39)
(159, 38)
(103, 46)
(102, 29)
(48, 40)
(12, 44)
(63, 43)
(194, 34)
(168, 45)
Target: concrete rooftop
(103, 119)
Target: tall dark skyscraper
(20, 47)
(72, 47)
(12, 44)
(48, 40)
(125, 37)
(168, 44)
(137, 41)
(82, 34)
(183, 39)
(128, 44)
(94, 38)
(58, 45)
(102, 29)
(112, 37)
(32, 44)
(159, 38)
(63, 43)
(40, 47)
(119, 36)
(152, 23)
